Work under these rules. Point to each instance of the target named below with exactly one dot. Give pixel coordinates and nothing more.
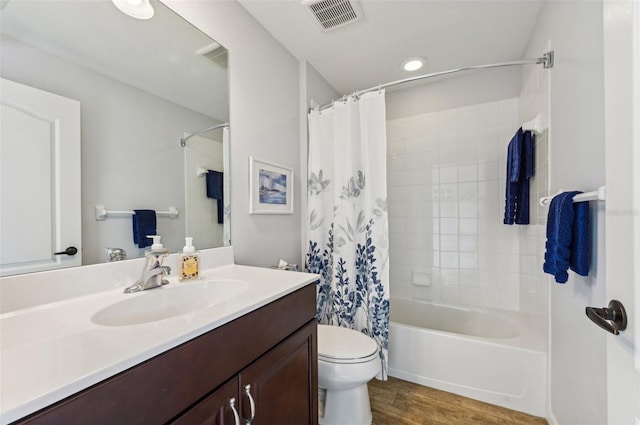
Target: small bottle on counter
(189, 261)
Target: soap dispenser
(189, 261)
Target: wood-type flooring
(398, 402)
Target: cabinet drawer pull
(247, 391)
(232, 405)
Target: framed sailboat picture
(271, 188)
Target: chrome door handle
(612, 318)
(232, 405)
(247, 391)
(72, 250)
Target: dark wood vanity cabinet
(268, 356)
(277, 383)
(219, 408)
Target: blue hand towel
(215, 190)
(568, 237)
(520, 168)
(526, 172)
(144, 223)
(513, 174)
(580, 261)
(514, 157)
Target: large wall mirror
(133, 89)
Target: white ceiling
(156, 55)
(448, 33)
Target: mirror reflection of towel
(144, 223)
(215, 191)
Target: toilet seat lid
(342, 345)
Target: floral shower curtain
(347, 223)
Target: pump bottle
(189, 261)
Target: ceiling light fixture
(413, 64)
(139, 9)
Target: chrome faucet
(152, 275)
(116, 254)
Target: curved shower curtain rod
(546, 60)
(183, 141)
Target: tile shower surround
(446, 173)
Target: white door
(622, 126)
(39, 180)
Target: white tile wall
(446, 205)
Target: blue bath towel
(144, 223)
(520, 168)
(568, 237)
(215, 191)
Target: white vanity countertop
(52, 351)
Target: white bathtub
(483, 354)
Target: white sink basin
(169, 301)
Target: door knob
(72, 250)
(612, 318)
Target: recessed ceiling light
(139, 9)
(413, 64)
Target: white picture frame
(270, 188)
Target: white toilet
(347, 360)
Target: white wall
(130, 160)
(622, 139)
(265, 119)
(453, 91)
(319, 91)
(577, 388)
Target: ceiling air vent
(216, 54)
(332, 14)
